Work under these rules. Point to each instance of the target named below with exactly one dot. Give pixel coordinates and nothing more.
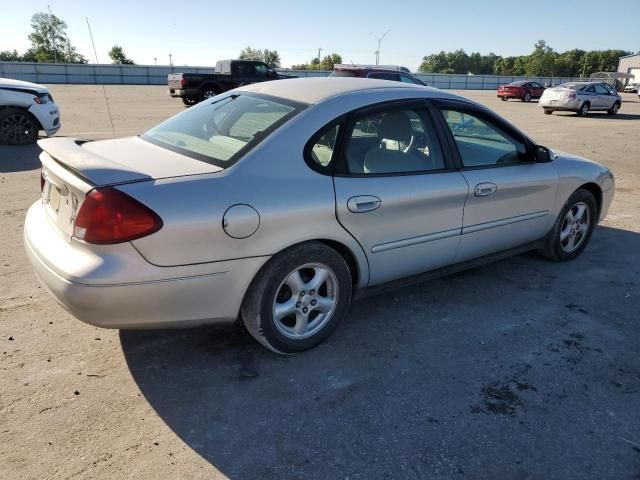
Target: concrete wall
(157, 75)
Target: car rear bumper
(560, 105)
(508, 94)
(115, 287)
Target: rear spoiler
(93, 168)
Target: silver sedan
(581, 97)
(278, 203)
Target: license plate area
(53, 199)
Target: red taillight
(182, 82)
(109, 216)
(572, 95)
(41, 181)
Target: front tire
(527, 97)
(298, 298)
(18, 127)
(573, 228)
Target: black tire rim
(17, 128)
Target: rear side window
(384, 76)
(322, 150)
(221, 131)
(393, 140)
(481, 143)
(342, 73)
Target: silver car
(280, 202)
(581, 97)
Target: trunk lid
(557, 93)
(71, 168)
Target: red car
(522, 89)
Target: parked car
(631, 88)
(281, 202)
(228, 74)
(521, 90)
(25, 109)
(581, 97)
(387, 72)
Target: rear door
(536, 89)
(397, 191)
(510, 195)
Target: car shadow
(444, 378)
(602, 115)
(19, 158)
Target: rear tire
(583, 111)
(298, 298)
(18, 127)
(504, 99)
(614, 109)
(547, 111)
(573, 228)
(208, 91)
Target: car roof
(316, 89)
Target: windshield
(221, 130)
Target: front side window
(393, 140)
(480, 143)
(221, 131)
(261, 70)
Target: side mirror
(541, 154)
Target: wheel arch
(596, 191)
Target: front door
(397, 194)
(511, 197)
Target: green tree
(49, 41)
(10, 56)
(315, 63)
(117, 56)
(270, 57)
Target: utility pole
(155, 59)
(170, 60)
(319, 51)
(377, 52)
(584, 65)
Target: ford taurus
(279, 202)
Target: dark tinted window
(384, 76)
(393, 140)
(342, 73)
(408, 79)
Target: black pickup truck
(228, 74)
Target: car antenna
(104, 91)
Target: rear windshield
(221, 130)
(572, 86)
(342, 73)
(518, 83)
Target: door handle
(485, 189)
(363, 203)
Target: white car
(632, 88)
(25, 109)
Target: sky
(200, 32)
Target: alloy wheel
(305, 301)
(575, 227)
(17, 128)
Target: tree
(117, 56)
(49, 41)
(9, 56)
(270, 57)
(315, 63)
